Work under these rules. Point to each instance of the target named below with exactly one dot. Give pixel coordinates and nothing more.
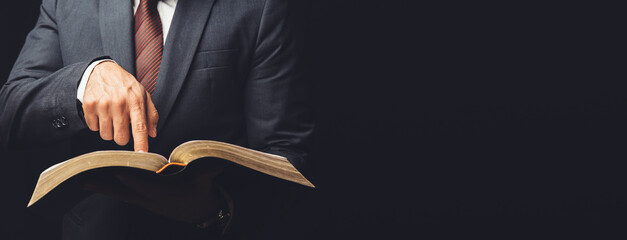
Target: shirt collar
(170, 3)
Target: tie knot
(147, 4)
(146, 10)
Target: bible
(180, 157)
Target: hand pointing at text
(114, 99)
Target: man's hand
(114, 99)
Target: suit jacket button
(60, 123)
(56, 123)
(63, 121)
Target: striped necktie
(148, 43)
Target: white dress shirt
(166, 12)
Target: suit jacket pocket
(214, 59)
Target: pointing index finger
(138, 126)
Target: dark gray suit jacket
(230, 72)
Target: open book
(182, 155)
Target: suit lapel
(116, 28)
(188, 24)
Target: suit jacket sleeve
(38, 102)
(279, 120)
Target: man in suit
(149, 75)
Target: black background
(440, 120)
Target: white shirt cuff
(83, 83)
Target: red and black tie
(148, 43)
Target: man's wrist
(219, 221)
(223, 216)
(80, 92)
